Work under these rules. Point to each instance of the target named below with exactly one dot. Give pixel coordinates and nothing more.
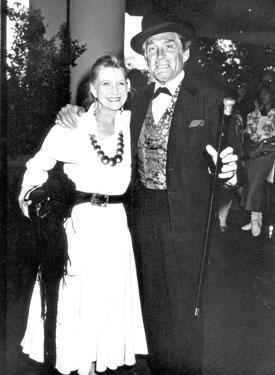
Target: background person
(244, 104)
(169, 134)
(244, 100)
(99, 322)
(260, 126)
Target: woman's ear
(128, 85)
(93, 90)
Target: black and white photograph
(137, 193)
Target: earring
(95, 107)
(121, 110)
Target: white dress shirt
(161, 102)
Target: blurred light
(270, 231)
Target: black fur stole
(51, 204)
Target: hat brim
(139, 39)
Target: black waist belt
(97, 199)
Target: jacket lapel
(184, 106)
(139, 110)
(187, 102)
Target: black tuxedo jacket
(195, 123)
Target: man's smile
(162, 66)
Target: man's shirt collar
(173, 84)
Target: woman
(260, 126)
(99, 322)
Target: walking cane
(228, 105)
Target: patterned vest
(152, 146)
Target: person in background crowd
(174, 120)
(260, 127)
(244, 105)
(268, 77)
(99, 322)
(244, 101)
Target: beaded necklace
(112, 161)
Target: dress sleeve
(56, 146)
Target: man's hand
(229, 164)
(68, 116)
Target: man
(171, 190)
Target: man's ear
(93, 90)
(145, 57)
(186, 53)
(128, 85)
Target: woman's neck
(106, 117)
(105, 122)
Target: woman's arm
(56, 146)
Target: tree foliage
(38, 78)
(225, 62)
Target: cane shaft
(228, 105)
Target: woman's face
(265, 97)
(110, 88)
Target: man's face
(165, 56)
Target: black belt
(97, 199)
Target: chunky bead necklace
(117, 158)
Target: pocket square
(195, 123)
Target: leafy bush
(38, 78)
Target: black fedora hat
(153, 24)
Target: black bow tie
(160, 90)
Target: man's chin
(162, 78)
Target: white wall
(54, 12)
(99, 23)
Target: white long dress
(99, 315)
